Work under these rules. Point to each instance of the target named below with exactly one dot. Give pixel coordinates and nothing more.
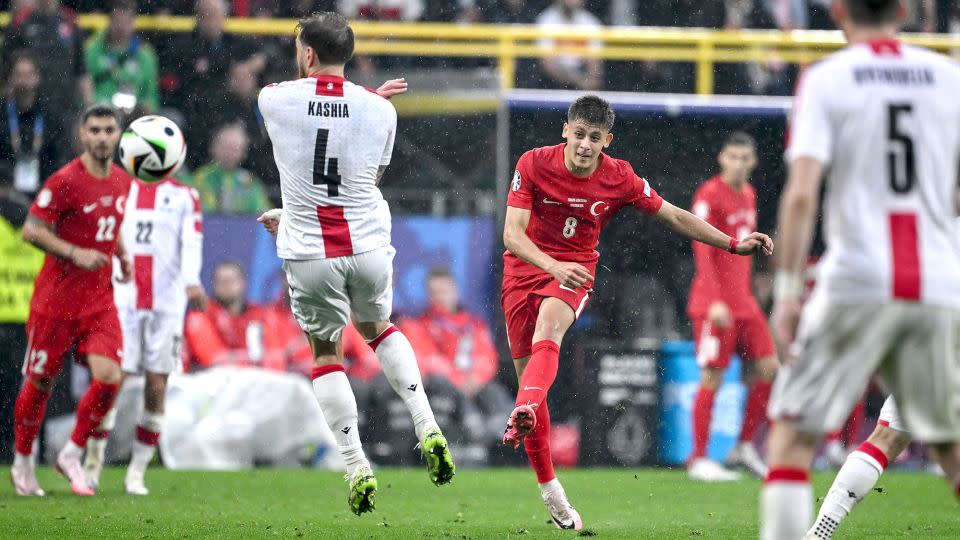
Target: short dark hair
(440, 272)
(593, 110)
(873, 12)
(330, 36)
(100, 110)
(739, 138)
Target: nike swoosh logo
(89, 208)
(532, 388)
(548, 201)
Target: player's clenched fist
(571, 275)
(271, 220)
(784, 319)
(755, 243)
(89, 259)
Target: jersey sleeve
(810, 133)
(645, 198)
(522, 190)
(191, 240)
(52, 201)
(388, 148)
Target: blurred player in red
(560, 198)
(726, 317)
(76, 219)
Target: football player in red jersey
(76, 219)
(725, 315)
(560, 198)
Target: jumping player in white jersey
(884, 117)
(332, 141)
(164, 232)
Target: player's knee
(44, 384)
(711, 378)
(766, 368)
(890, 441)
(109, 374)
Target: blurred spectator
(53, 36)
(237, 104)
(455, 346)
(224, 186)
(232, 331)
(566, 70)
(123, 67)
(509, 12)
(200, 61)
(381, 10)
(28, 134)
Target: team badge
(44, 198)
(516, 180)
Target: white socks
(339, 407)
(71, 450)
(20, 460)
(856, 478)
(399, 364)
(786, 505)
(145, 445)
(552, 486)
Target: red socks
(93, 406)
(755, 411)
(537, 446)
(702, 415)
(539, 374)
(28, 414)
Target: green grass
(493, 503)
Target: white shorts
(152, 341)
(913, 347)
(324, 292)
(890, 415)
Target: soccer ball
(152, 148)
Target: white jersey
(163, 235)
(330, 138)
(885, 120)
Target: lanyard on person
(13, 119)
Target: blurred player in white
(164, 232)
(332, 141)
(884, 118)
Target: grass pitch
(491, 503)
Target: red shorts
(50, 339)
(521, 297)
(749, 337)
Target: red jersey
(454, 345)
(567, 212)
(87, 212)
(721, 275)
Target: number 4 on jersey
(325, 172)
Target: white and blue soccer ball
(152, 148)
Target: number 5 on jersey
(325, 172)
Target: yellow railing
(508, 43)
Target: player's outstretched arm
(41, 234)
(517, 242)
(795, 222)
(694, 228)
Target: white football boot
(707, 470)
(745, 454)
